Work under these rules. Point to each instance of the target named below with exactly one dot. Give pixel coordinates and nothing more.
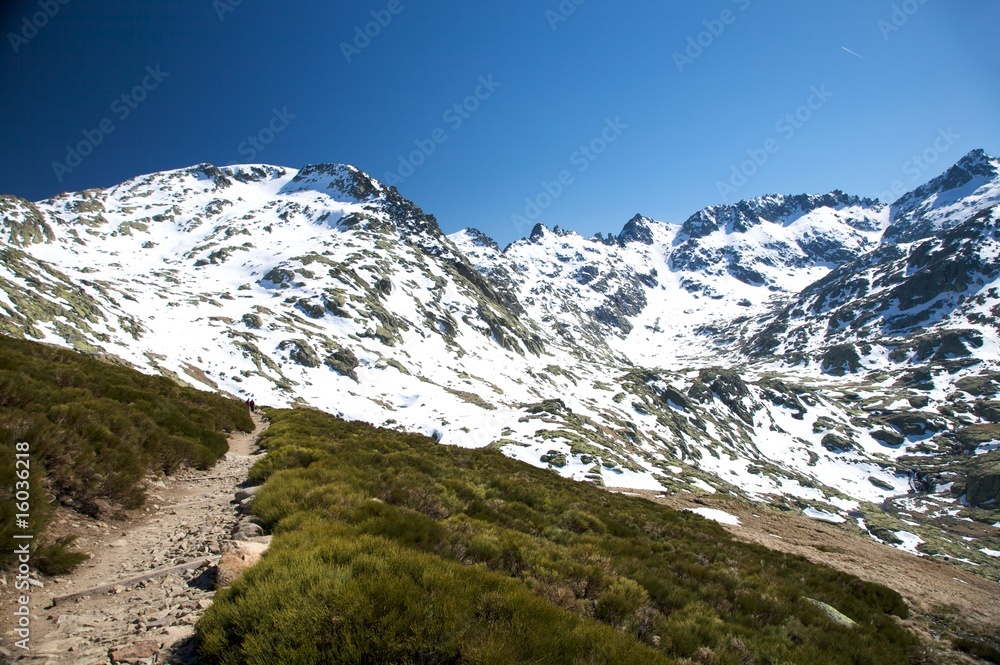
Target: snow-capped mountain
(778, 347)
(973, 184)
(928, 291)
(660, 294)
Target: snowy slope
(662, 294)
(970, 186)
(703, 356)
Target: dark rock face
(983, 487)
(587, 274)
(537, 233)
(22, 222)
(841, 359)
(939, 346)
(253, 321)
(889, 438)
(609, 316)
(343, 362)
(781, 394)
(983, 484)
(731, 390)
(837, 444)
(311, 309)
(628, 300)
(256, 174)
(637, 230)
(300, 352)
(823, 249)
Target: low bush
(58, 557)
(94, 431)
(391, 548)
(979, 649)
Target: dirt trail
(188, 517)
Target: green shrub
(95, 430)
(980, 650)
(390, 548)
(58, 557)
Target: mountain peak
(971, 185)
(538, 232)
(480, 239)
(344, 178)
(637, 230)
(979, 163)
(975, 165)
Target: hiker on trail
(253, 406)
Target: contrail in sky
(853, 53)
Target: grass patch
(390, 548)
(980, 650)
(94, 431)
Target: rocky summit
(834, 355)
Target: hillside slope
(804, 350)
(392, 549)
(91, 433)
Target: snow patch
(720, 516)
(823, 516)
(910, 542)
(701, 484)
(988, 447)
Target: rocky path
(191, 517)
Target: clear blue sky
(562, 84)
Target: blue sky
(577, 113)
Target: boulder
(247, 531)
(984, 489)
(238, 557)
(140, 651)
(246, 493)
